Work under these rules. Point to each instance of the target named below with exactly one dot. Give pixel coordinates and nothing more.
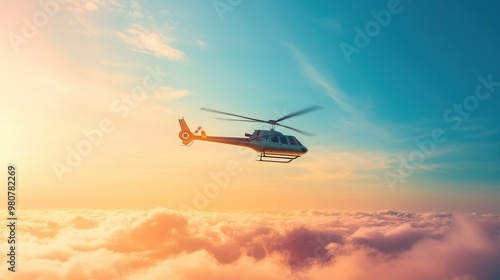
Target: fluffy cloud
(300, 245)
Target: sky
(405, 157)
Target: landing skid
(267, 157)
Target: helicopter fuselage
(269, 143)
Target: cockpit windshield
(294, 141)
(298, 142)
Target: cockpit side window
(292, 141)
(274, 139)
(300, 144)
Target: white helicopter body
(272, 145)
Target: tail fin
(185, 135)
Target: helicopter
(272, 145)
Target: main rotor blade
(236, 120)
(297, 130)
(301, 112)
(234, 115)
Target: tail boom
(187, 136)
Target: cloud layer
(300, 245)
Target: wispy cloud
(354, 121)
(330, 88)
(343, 167)
(93, 5)
(167, 93)
(143, 40)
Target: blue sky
(265, 59)
(396, 90)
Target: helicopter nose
(304, 150)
